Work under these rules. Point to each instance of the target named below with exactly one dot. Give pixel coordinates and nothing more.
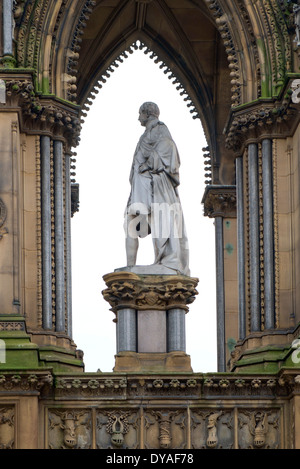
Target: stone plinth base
(150, 305)
(152, 362)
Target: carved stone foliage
(117, 429)
(165, 429)
(258, 429)
(265, 117)
(69, 429)
(41, 114)
(233, 56)
(24, 382)
(219, 201)
(91, 386)
(212, 429)
(73, 55)
(106, 386)
(234, 385)
(149, 292)
(7, 427)
(168, 387)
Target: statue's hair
(150, 108)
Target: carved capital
(144, 292)
(262, 118)
(41, 114)
(219, 201)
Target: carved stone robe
(154, 180)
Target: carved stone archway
(236, 63)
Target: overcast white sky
(108, 140)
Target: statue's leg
(131, 240)
(132, 245)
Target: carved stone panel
(165, 429)
(7, 427)
(117, 429)
(69, 429)
(259, 429)
(212, 429)
(3, 215)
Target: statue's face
(143, 117)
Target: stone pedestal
(150, 304)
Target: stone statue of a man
(154, 205)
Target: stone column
(7, 13)
(176, 330)
(220, 294)
(68, 245)
(46, 232)
(59, 238)
(126, 330)
(219, 203)
(269, 288)
(254, 237)
(241, 246)
(16, 216)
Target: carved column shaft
(176, 330)
(261, 236)
(220, 294)
(16, 216)
(59, 238)
(254, 237)
(7, 14)
(126, 330)
(46, 232)
(219, 203)
(269, 281)
(241, 247)
(68, 245)
(53, 235)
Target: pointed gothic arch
(73, 45)
(232, 62)
(238, 62)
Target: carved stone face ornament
(117, 437)
(212, 439)
(259, 439)
(117, 426)
(69, 427)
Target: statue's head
(148, 110)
